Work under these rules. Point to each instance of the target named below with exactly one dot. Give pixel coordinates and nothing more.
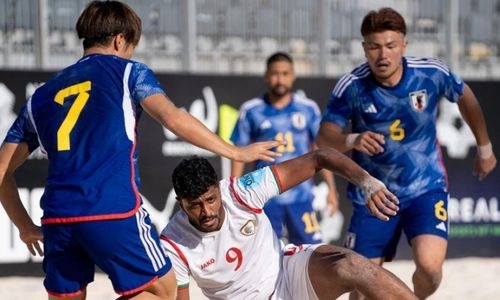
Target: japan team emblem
(299, 120)
(419, 100)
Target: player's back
(85, 120)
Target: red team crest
(419, 100)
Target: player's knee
(431, 276)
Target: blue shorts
(128, 250)
(371, 237)
(300, 221)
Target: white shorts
(293, 282)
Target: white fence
(235, 36)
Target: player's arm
(183, 293)
(12, 155)
(380, 201)
(472, 113)
(237, 168)
(189, 128)
(331, 135)
(332, 198)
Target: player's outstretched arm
(11, 157)
(190, 129)
(380, 201)
(368, 142)
(471, 111)
(183, 293)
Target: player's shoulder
(305, 104)
(252, 107)
(109, 60)
(252, 103)
(426, 63)
(351, 79)
(304, 100)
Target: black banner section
(473, 211)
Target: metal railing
(236, 36)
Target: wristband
(485, 151)
(350, 139)
(371, 185)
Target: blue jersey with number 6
(90, 137)
(405, 114)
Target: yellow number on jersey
(310, 222)
(288, 138)
(81, 90)
(440, 211)
(396, 133)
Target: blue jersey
(297, 124)
(84, 118)
(405, 114)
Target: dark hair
(384, 19)
(100, 21)
(192, 177)
(278, 56)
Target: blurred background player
(391, 103)
(282, 115)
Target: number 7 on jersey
(64, 131)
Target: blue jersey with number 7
(84, 119)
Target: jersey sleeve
(143, 82)
(315, 121)
(23, 131)
(254, 189)
(241, 132)
(338, 110)
(178, 260)
(454, 87)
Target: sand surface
(466, 278)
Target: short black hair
(279, 56)
(193, 177)
(100, 21)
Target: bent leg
(334, 271)
(164, 288)
(429, 252)
(356, 295)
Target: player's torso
(89, 138)
(241, 261)
(295, 123)
(406, 116)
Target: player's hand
(369, 142)
(484, 166)
(379, 200)
(259, 151)
(33, 238)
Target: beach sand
(465, 278)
